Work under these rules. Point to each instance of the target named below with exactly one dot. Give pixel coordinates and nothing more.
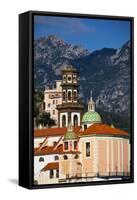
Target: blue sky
(92, 34)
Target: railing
(106, 175)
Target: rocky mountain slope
(51, 54)
(106, 72)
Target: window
(64, 78)
(57, 173)
(76, 156)
(75, 96)
(56, 158)
(87, 149)
(56, 101)
(53, 112)
(66, 145)
(69, 95)
(41, 159)
(64, 121)
(74, 78)
(65, 157)
(69, 78)
(51, 173)
(64, 95)
(85, 126)
(75, 120)
(53, 101)
(44, 105)
(48, 105)
(54, 143)
(75, 145)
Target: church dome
(70, 134)
(91, 117)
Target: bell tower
(70, 111)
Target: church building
(82, 148)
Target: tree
(38, 100)
(44, 119)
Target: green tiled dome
(91, 117)
(70, 135)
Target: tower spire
(91, 95)
(91, 103)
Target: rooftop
(69, 68)
(48, 150)
(103, 129)
(52, 165)
(53, 131)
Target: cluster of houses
(80, 147)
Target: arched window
(65, 157)
(41, 159)
(66, 145)
(69, 95)
(64, 95)
(75, 120)
(64, 121)
(74, 78)
(56, 158)
(75, 145)
(76, 156)
(57, 173)
(64, 78)
(85, 126)
(69, 78)
(51, 174)
(75, 96)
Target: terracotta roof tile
(103, 129)
(52, 150)
(52, 165)
(53, 131)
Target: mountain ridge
(105, 71)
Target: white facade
(52, 98)
(38, 165)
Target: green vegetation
(44, 119)
(40, 116)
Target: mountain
(106, 72)
(51, 54)
(115, 95)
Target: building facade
(52, 98)
(81, 147)
(70, 111)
